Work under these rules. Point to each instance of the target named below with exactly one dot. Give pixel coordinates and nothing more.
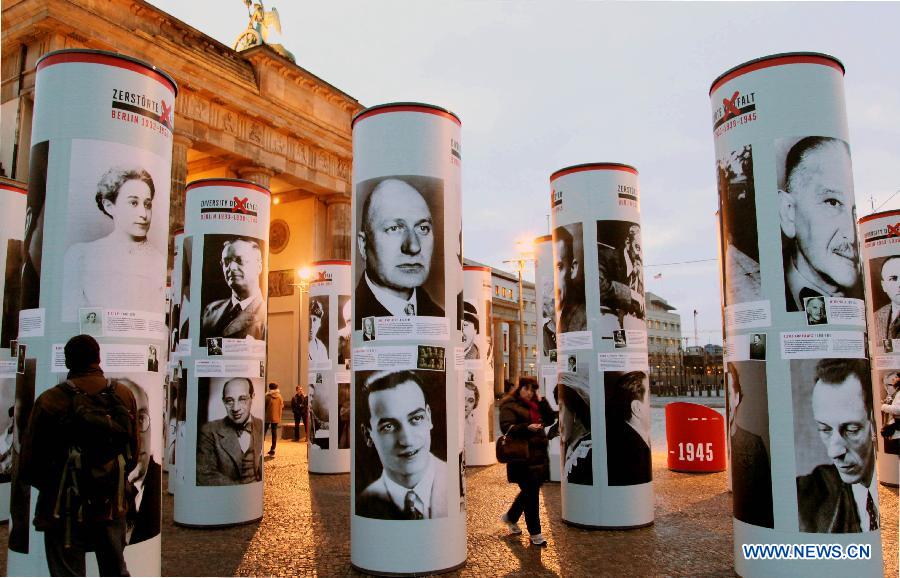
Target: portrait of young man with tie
(885, 277)
(234, 305)
(396, 420)
(840, 496)
(401, 242)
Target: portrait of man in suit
(627, 428)
(887, 317)
(241, 314)
(818, 222)
(396, 420)
(229, 450)
(568, 253)
(143, 521)
(397, 239)
(841, 496)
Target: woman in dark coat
(520, 418)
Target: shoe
(271, 452)
(511, 526)
(538, 540)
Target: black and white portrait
(740, 241)
(20, 491)
(758, 346)
(401, 445)
(834, 446)
(401, 241)
(890, 411)
(368, 329)
(575, 426)
(628, 458)
(345, 330)
(152, 359)
(619, 338)
(319, 413)
(474, 433)
(230, 431)
(431, 357)
(620, 264)
(7, 427)
(818, 220)
(318, 329)
(748, 431)
(884, 276)
(91, 321)
(568, 255)
(572, 363)
(117, 229)
(343, 416)
(816, 312)
(143, 519)
(548, 317)
(471, 329)
(233, 296)
(12, 291)
(184, 318)
(33, 241)
(214, 346)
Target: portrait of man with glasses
(229, 450)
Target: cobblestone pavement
(305, 531)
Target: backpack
(94, 484)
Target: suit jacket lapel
(244, 318)
(231, 445)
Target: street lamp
(525, 250)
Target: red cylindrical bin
(695, 435)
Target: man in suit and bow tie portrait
(242, 314)
(229, 450)
(397, 240)
(887, 317)
(818, 222)
(396, 420)
(841, 496)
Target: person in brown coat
(520, 417)
(274, 407)
(47, 445)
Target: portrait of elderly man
(841, 496)
(887, 317)
(396, 240)
(627, 428)
(396, 420)
(242, 314)
(470, 330)
(568, 253)
(229, 450)
(816, 314)
(142, 521)
(818, 222)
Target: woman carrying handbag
(520, 419)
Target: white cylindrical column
(478, 391)
(601, 347)
(219, 451)
(802, 450)
(881, 258)
(408, 496)
(329, 345)
(172, 371)
(96, 238)
(12, 199)
(546, 336)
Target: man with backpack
(79, 446)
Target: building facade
(664, 345)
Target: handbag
(512, 450)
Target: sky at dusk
(544, 85)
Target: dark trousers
(297, 421)
(528, 501)
(106, 539)
(274, 426)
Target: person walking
(81, 441)
(520, 418)
(298, 406)
(274, 408)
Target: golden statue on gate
(259, 29)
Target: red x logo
(894, 230)
(240, 205)
(165, 116)
(731, 109)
